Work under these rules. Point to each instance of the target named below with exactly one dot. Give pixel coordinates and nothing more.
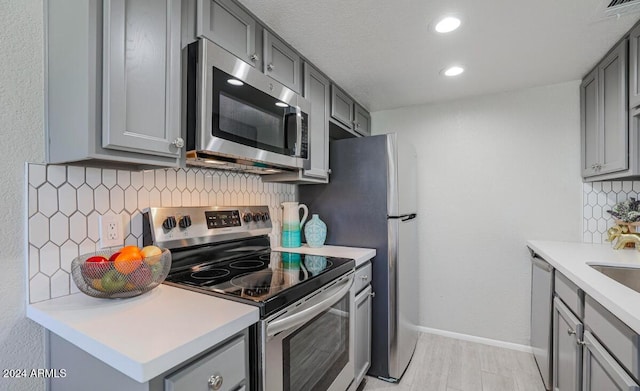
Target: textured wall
(598, 198)
(21, 132)
(65, 203)
(494, 171)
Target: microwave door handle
(302, 317)
(298, 148)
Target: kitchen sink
(626, 275)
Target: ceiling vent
(610, 8)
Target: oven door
(242, 113)
(309, 346)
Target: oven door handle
(334, 295)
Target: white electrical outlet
(111, 231)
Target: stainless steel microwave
(237, 118)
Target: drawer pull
(571, 332)
(215, 382)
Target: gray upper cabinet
(341, 107)
(317, 89)
(604, 116)
(348, 114)
(362, 120)
(141, 76)
(227, 24)
(589, 123)
(113, 82)
(282, 63)
(634, 67)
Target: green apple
(156, 270)
(113, 281)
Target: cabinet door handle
(270, 67)
(571, 332)
(215, 382)
(581, 343)
(254, 57)
(179, 142)
(364, 278)
(372, 294)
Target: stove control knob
(169, 223)
(247, 217)
(266, 216)
(185, 222)
(256, 217)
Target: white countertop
(360, 255)
(147, 335)
(573, 259)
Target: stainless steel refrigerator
(371, 201)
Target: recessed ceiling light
(447, 24)
(453, 71)
(235, 82)
(281, 104)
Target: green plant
(627, 211)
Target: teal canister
(315, 231)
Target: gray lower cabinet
(362, 309)
(113, 82)
(230, 26)
(598, 353)
(601, 371)
(224, 367)
(282, 63)
(567, 351)
(363, 334)
(604, 117)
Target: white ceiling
(385, 56)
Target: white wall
(21, 132)
(494, 171)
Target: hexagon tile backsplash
(597, 199)
(64, 203)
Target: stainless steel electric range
(304, 339)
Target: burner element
(247, 264)
(209, 274)
(258, 283)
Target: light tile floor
(446, 364)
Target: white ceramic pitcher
(292, 223)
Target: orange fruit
(151, 254)
(132, 249)
(127, 262)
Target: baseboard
(472, 338)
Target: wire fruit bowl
(109, 274)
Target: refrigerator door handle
(406, 217)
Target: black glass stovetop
(257, 276)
